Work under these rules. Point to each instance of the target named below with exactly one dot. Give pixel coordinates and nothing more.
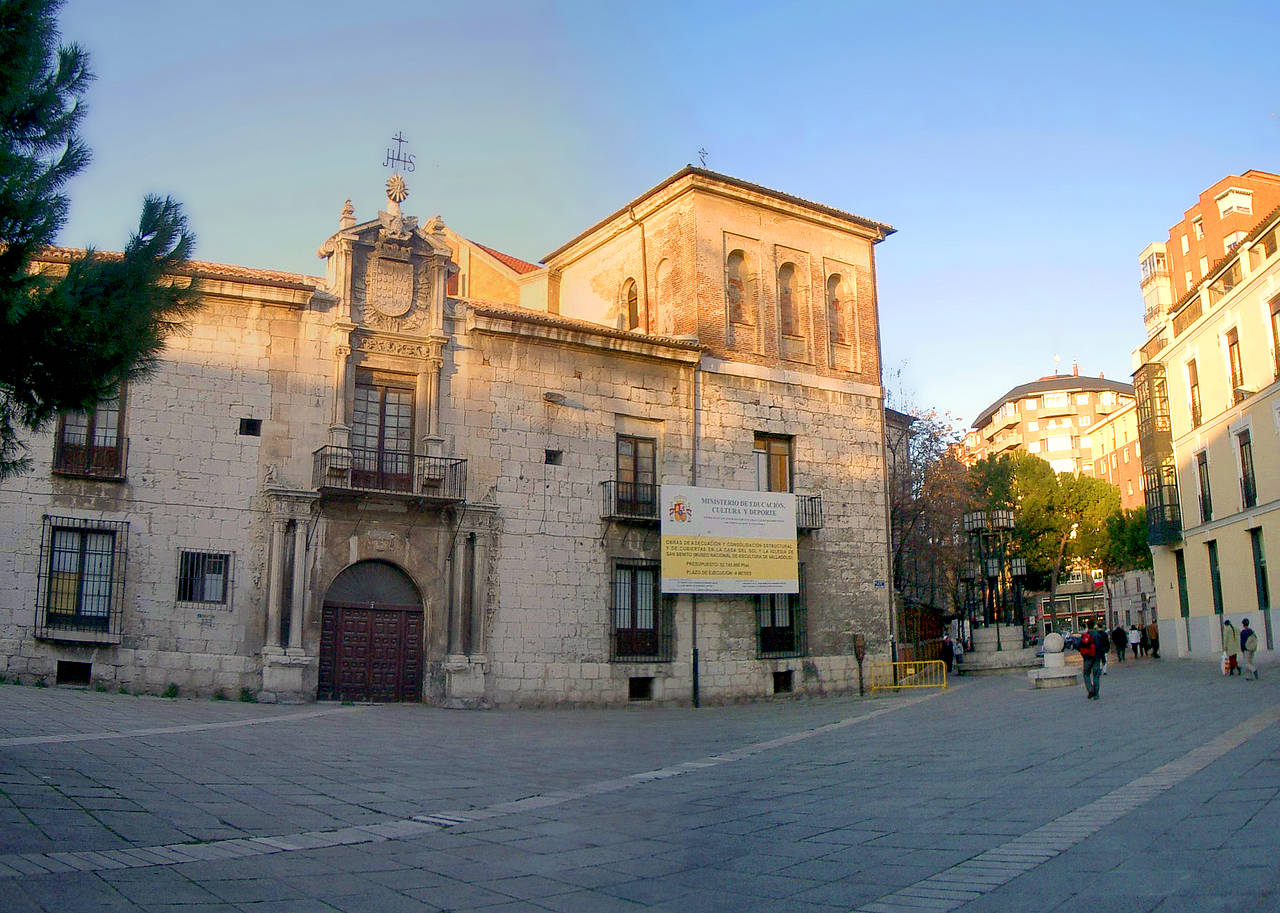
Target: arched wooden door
(371, 636)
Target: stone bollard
(1055, 673)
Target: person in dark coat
(1092, 651)
(948, 652)
(1121, 640)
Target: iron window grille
(1206, 493)
(1248, 480)
(205, 577)
(80, 586)
(640, 617)
(92, 444)
(781, 619)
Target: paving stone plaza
(1162, 796)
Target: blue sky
(1025, 154)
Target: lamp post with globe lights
(990, 565)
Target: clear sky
(1026, 152)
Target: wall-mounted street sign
(715, 540)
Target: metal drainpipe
(884, 470)
(697, 432)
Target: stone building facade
(432, 473)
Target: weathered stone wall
(549, 637)
(192, 484)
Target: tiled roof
(574, 323)
(201, 269)
(515, 263)
(1071, 382)
(880, 227)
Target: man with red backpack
(1092, 650)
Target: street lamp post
(988, 548)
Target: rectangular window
(1033, 426)
(1234, 366)
(382, 432)
(1206, 494)
(1193, 384)
(1082, 399)
(639, 618)
(1275, 336)
(203, 577)
(1029, 404)
(81, 586)
(773, 462)
(1057, 399)
(1248, 482)
(1198, 227)
(1215, 576)
(1260, 571)
(1184, 601)
(637, 476)
(1186, 246)
(90, 443)
(781, 621)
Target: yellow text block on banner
(722, 541)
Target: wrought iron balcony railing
(808, 512)
(634, 501)
(89, 461)
(431, 478)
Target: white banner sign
(716, 540)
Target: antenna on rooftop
(1056, 359)
(702, 155)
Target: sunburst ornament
(397, 189)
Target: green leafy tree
(1124, 546)
(68, 341)
(1061, 519)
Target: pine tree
(67, 342)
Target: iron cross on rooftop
(399, 157)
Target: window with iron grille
(781, 620)
(640, 618)
(81, 578)
(1206, 493)
(204, 577)
(91, 443)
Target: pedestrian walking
(1104, 644)
(1121, 641)
(1153, 635)
(1134, 639)
(1091, 653)
(1230, 647)
(1249, 643)
(1144, 641)
(948, 652)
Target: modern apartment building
(1208, 232)
(1052, 417)
(434, 472)
(1208, 401)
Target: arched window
(787, 303)
(736, 287)
(838, 309)
(629, 313)
(662, 299)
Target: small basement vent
(783, 682)
(73, 673)
(251, 427)
(640, 688)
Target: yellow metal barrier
(927, 673)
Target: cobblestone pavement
(989, 797)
